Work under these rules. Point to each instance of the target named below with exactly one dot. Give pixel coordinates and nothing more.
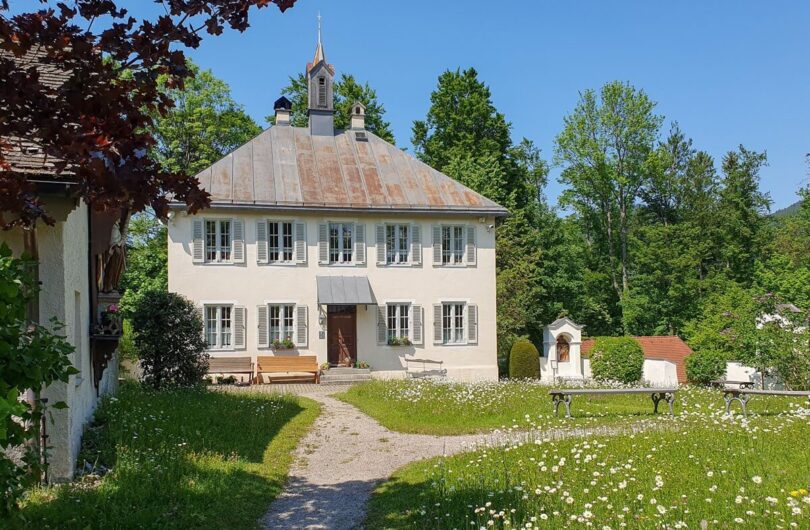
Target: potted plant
(325, 367)
(283, 344)
(111, 320)
(399, 341)
(362, 364)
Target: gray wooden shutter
(360, 243)
(238, 241)
(381, 259)
(382, 324)
(261, 241)
(323, 244)
(472, 247)
(416, 245)
(416, 323)
(437, 323)
(301, 326)
(239, 328)
(437, 245)
(472, 324)
(262, 331)
(198, 246)
(300, 242)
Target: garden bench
(288, 368)
(564, 396)
(742, 395)
(425, 372)
(231, 365)
(741, 384)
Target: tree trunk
(611, 252)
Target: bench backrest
(607, 391)
(287, 363)
(777, 392)
(230, 364)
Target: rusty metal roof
(286, 167)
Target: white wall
(736, 371)
(660, 373)
(251, 284)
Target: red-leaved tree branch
(94, 125)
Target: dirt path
(347, 453)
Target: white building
(341, 244)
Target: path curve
(347, 453)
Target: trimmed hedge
(524, 360)
(617, 359)
(705, 365)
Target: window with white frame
(398, 321)
(396, 243)
(217, 240)
(280, 241)
(341, 237)
(452, 245)
(218, 327)
(453, 322)
(282, 322)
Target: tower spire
(319, 55)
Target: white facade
(248, 282)
(65, 295)
(555, 363)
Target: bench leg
(670, 397)
(729, 397)
(743, 399)
(567, 402)
(555, 399)
(656, 398)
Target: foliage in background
(168, 339)
(618, 359)
(704, 366)
(346, 91)
(524, 360)
(32, 357)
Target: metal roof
(344, 290)
(286, 167)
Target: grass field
(181, 459)
(429, 407)
(724, 474)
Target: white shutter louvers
(239, 328)
(300, 243)
(437, 323)
(417, 334)
(382, 325)
(198, 245)
(472, 245)
(261, 242)
(472, 324)
(262, 333)
(416, 245)
(238, 242)
(380, 230)
(301, 326)
(323, 244)
(360, 243)
(437, 245)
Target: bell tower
(320, 77)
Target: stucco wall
(660, 373)
(251, 284)
(64, 295)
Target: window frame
(341, 248)
(393, 246)
(453, 253)
(280, 248)
(218, 248)
(451, 332)
(396, 331)
(218, 329)
(291, 332)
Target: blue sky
(730, 72)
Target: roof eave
(326, 208)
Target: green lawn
(427, 407)
(729, 473)
(181, 459)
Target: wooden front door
(341, 335)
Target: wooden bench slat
(269, 364)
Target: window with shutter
(397, 244)
(218, 240)
(340, 243)
(452, 323)
(218, 326)
(398, 323)
(280, 241)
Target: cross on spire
(319, 55)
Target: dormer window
(322, 92)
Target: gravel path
(347, 453)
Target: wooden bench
(231, 365)
(742, 395)
(439, 371)
(565, 396)
(722, 383)
(288, 368)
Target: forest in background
(652, 235)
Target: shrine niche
(563, 349)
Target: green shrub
(617, 359)
(524, 360)
(167, 333)
(705, 365)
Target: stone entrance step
(345, 376)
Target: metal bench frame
(743, 395)
(656, 394)
(440, 372)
